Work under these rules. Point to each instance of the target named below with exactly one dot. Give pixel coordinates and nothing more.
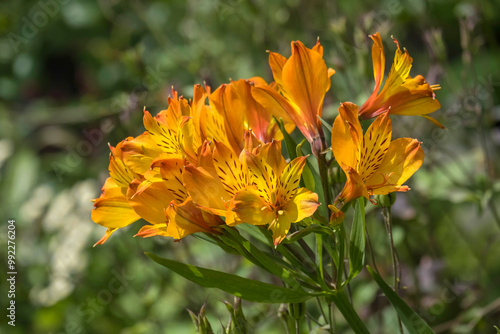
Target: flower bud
(386, 201)
(337, 216)
(297, 310)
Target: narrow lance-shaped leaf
(357, 240)
(412, 321)
(262, 258)
(350, 315)
(241, 287)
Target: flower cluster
(201, 165)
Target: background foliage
(75, 75)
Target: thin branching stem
(386, 212)
(369, 243)
(330, 318)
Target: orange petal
(112, 209)
(138, 153)
(378, 59)
(230, 170)
(105, 237)
(262, 176)
(347, 136)
(434, 121)
(414, 97)
(206, 189)
(305, 79)
(186, 218)
(289, 179)
(282, 108)
(302, 205)
(276, 62)
(353, 188)
(404, 157)
(152, 202)
(271, 154)
(224, 100)
(171, 171)
(163, 135)
(251, 208)
(375, 145)
(153, 230)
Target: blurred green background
(75, 75)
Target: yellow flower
(273, 197)
(374, 164)
(218, 177)
(401, 94)
(146, 175)
(302, 81)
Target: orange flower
(146, 175)
(274, 198)
(303, 79)
(374, 165)
(401, 94)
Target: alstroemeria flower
(401, 94)
(274, 198)
(214, 182)
(256, 118)
(302, 81)
(374, 164)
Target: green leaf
(289, 142)
(412, 321)
(307, 175)
(350, 315)
(263, 259)
(244, 288)
(327, 126)
(357, 240)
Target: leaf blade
(412, 321)
(357, 240)
(244, 288)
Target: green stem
(330, 318)
(323, 174)
(386, 212)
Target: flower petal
(152, 202)
(378, 59)
(302, 205)
(186, 218)
(305, 79)
(205, 189)
(251, 208)
(138, 153)
(353, 188)
(289, 180)
(403, 158)
(276, 62)
(112, 209)
(224, 100)
(163, 135)
(347, 136)
(229, 169)
(376, 142)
